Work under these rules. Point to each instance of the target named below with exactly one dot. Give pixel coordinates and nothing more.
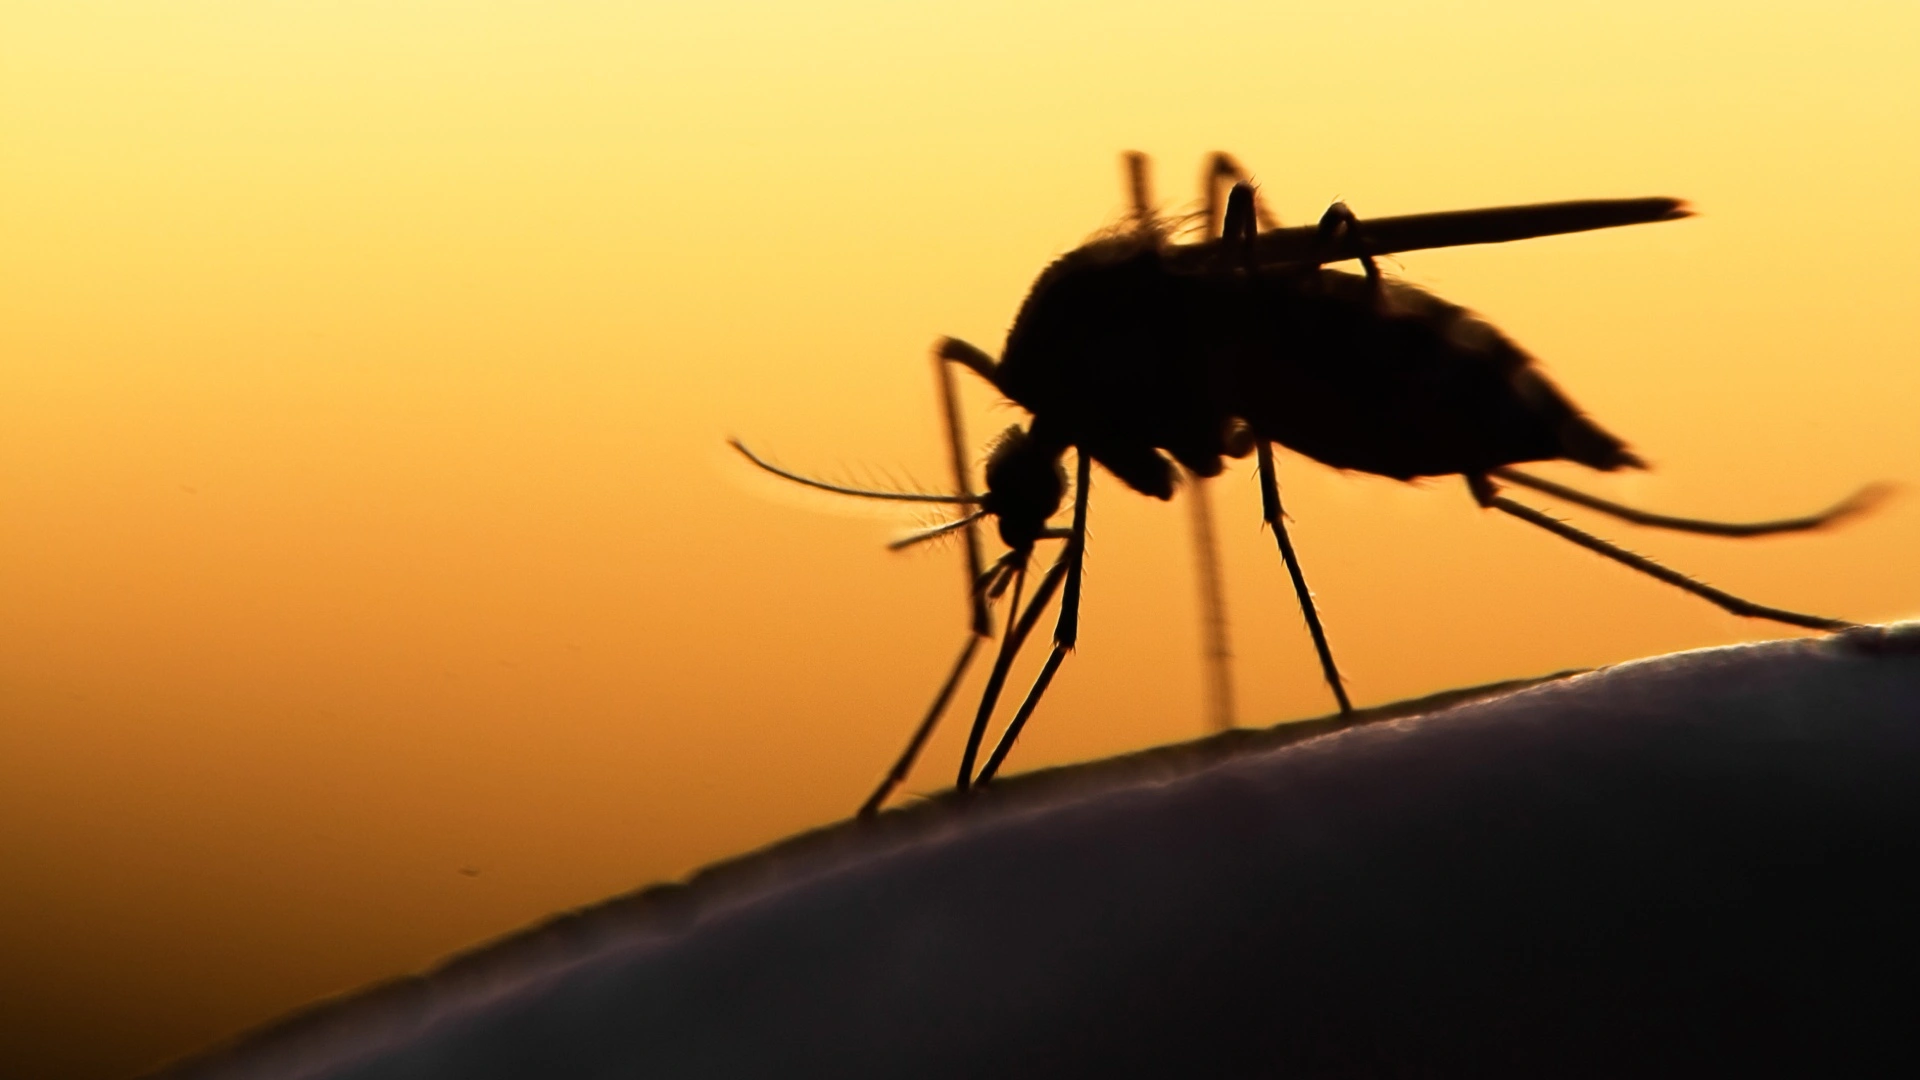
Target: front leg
(986, 589)
(1066, 631)
(962, 485)
(971, 357)
(1010, 643)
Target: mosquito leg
(1000, 751)
(989, 585)
(1340, 219)
(1270, 505)
(1139, 189)
(971, 357)
(905, 764)
(1215, 654)
(1238, 220)
(1240, 226)
(1010, 643)
(1487, 495)
(963, 487)
(981, 587)
(1065, 632)
(1853, 505)
(1223, 172)
(1020, 717)
(1016, 636)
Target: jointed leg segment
(1016, 636)
(1270, 504)
(982, 587)
(1487, 495)
(904, 765)
(1222, 173)
(1010, 642)
(1339, 221)
(962, 485)
(1065, 632)
(1216, 652)
(1857, 503)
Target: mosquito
(1156, 359)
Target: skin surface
(1693, 861)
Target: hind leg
(1487, 495)
(1853, 505)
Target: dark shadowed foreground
(1701, 862)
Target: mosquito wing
(1449, 228)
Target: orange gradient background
(374, 578)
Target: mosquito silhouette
(1152, 357)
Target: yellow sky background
(365, 370)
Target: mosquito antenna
(1139, 189)
(936, 531)
(1853, 505)
(841, 489)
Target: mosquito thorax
(1105, 321)
(1025, 486)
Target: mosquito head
(1025, 486)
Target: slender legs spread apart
(982, 586)
(1065, 633)
(898, 774)
(1064, 577)
(1019, 625)
(1020, 622)
(1240, 217)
